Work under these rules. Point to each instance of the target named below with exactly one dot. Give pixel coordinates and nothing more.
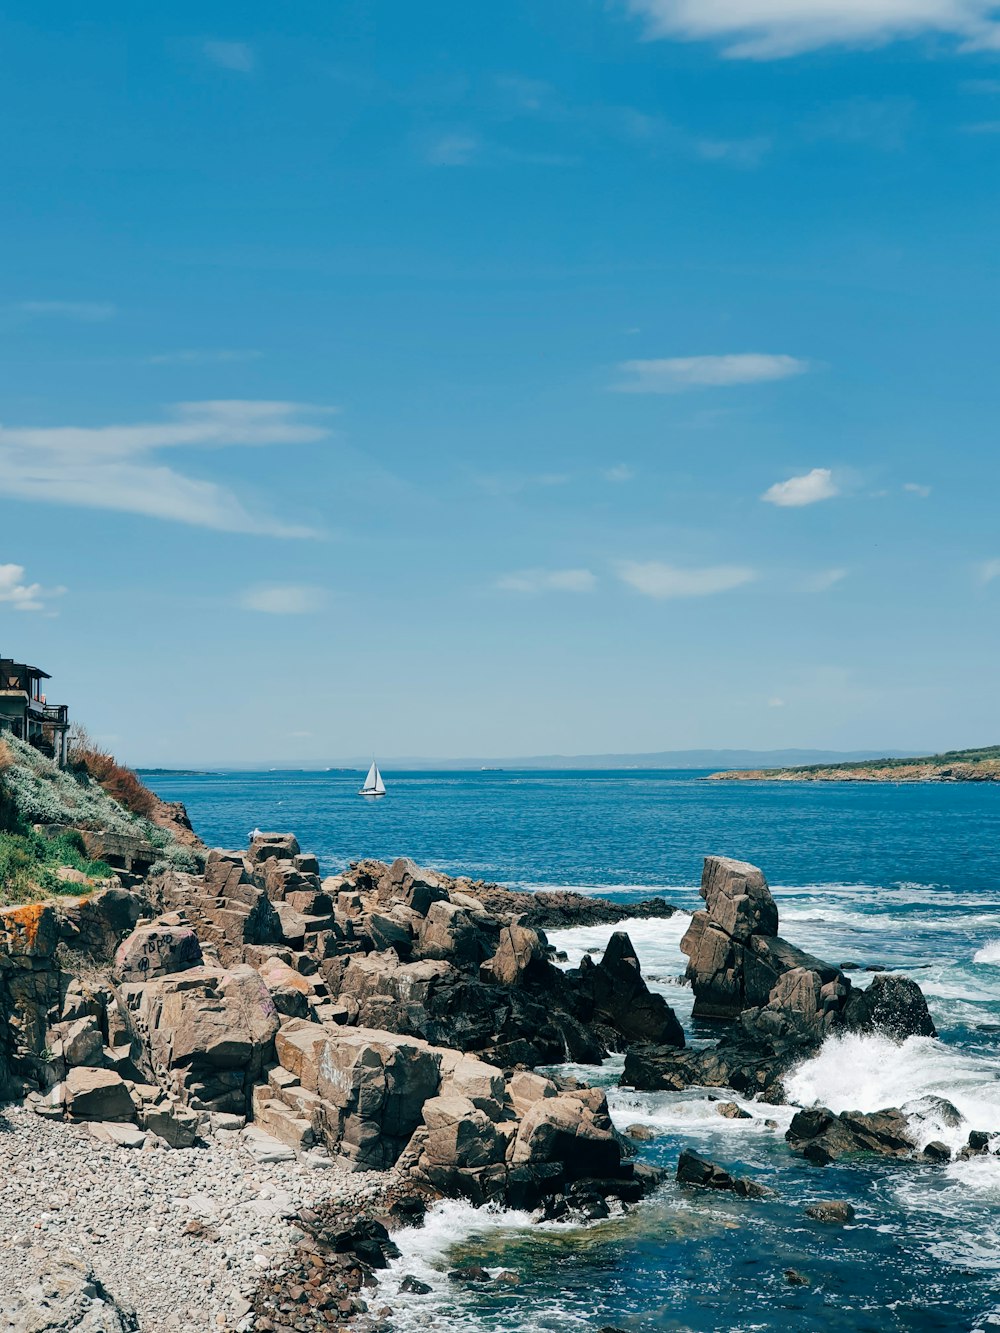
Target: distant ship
(374, 786)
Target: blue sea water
(904, 876)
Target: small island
(982, 765)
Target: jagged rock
(414, 1286)
(735, 957)
(373, 1085)
(97, 1094)
(893, 1005)
(207, 1034)
(831, 1211)
(282, 846)
(621, 999)
(450, 931)
(699, 1171)
(804, 1005)
(822, 1136)
(936, 1151)
(737, 898)
(82, 1042)
(519, 948)
(65, 1295)
(103, 919)
(752, 1067)
(731, 1111)
(177, 1125)
(796, 1279)
(157, 951)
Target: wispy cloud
(675, 374)
(805, 490)
(452, 150)
(620, 472)
(771, 29)
(283, 599)
(983, 127)
(18, 595)
(745, 153)
(88, 312)
(548, 580)
(236, 56)
(654, 579)
(988, 571)
(824, 579)
(115, 467)
(775, 702)
(207, 356)
(915, 488)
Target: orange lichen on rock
(32, 928)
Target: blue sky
(572, 376)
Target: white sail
(374, 786)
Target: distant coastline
(982, 765)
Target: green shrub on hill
(34, 790)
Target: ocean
(899, 876)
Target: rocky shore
(272, 1071)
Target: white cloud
(114, 467)
(548, 580)
(237, 56)
(805, 490)
(826, 578)
(675, 374)
(654, 579)
(771, 29)
(90, 312)
(988, 571)
(914, 488)
(775, 702)
(21, 596)
(283, 599)
(452, 150)
(620, 472)
(194, 356)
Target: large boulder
(822, 1136)
(64, 1293)
(207, 1034)
(97, 1094)
(157, 951)
(735, 956)
(373, 1086)
(893, 1005)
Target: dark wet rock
(731, 1111)
(554, 909)
(470, 1273)
(936, 1151)
(414, 1285)
(822, 1136)
(831, 1211)
(935, 1110)
(641, 1133)
(699, 1171)
(749, 1066)
(621, 1000)
(893, 1005)
(796, 1279)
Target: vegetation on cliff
(35, 791)
(981, 765)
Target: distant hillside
(660, 759)
(982, 765)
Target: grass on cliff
(34, 790)
(28, 864)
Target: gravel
(182, 1236)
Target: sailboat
(374, 786)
